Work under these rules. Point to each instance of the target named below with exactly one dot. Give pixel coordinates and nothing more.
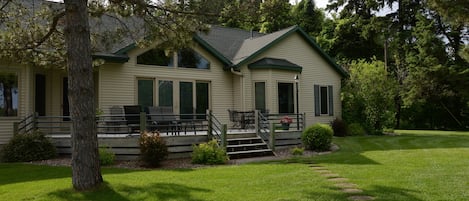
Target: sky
(319, 3)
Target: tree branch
(52, 29)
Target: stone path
(351, 189)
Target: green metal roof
(274, 63)
(113, 58)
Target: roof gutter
(236, 72)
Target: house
(226, 69)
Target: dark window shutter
(317, 107)
(331, 100)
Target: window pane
(202, 98)
(285, 98)
(188, 58)
(186, 99)
(260, 96)
(8, 94)
(165, 93)
(324, 100)
(145, 93)
(155, 57)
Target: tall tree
(86, 172)
(308, 17)
(275, 15)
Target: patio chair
(162, 117)
(132, 116)
(235, 118)
(117, 120)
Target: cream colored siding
(315, 71)
(118, 82)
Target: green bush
(209, 153)
(317, 137)
(339, 127)
(106, 156)
(153, 148)
(356, 129)
(297, 151)
(28, 147)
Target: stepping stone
(345, 185)
(360, 198)
(331, 175)
(352, 190)
(338, 179)
(323, 171)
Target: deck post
(143, 121)
(272, 136)
(256, 122)
(209, 127)
(224, 132)
(304, 121)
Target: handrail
(27, 124)
(216, 127)
(263, 126)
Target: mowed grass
(244, 182)
(414, 165)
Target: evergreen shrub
(27, 147)
(317, 137)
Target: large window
(8, 94)
(145, 92)
(259, 96)
(323, 100)
(188, 58)
(285, 98)
(165, 93)
(201, 99)
(156, 57)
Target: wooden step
(245, 145)
(250, 151)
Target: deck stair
(247, 147)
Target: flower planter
(285, 126)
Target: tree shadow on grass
(155, 191)
(386, 193)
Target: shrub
(317, 137)
(28, 147)
(297, 151)
(339, 127)
(153, 148)
(106, 156)
(356, 129)
(209, 153)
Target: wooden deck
(179, 146)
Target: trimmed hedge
(317, 137)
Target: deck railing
(216, 129)
(127, 124)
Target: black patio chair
(132, 116)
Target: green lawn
(418, 165)
(414, 165)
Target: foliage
(153, 148)
(275, 15)
(339, 127)
(307, 16)
(209, 153)
(317, 137)
(355, 129)
(32, 146)
(106, 156)
(368, 96)
(297, 151)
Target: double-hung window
(323, 100)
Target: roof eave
(287, 68)
(113, 58)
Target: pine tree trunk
(86, 173)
